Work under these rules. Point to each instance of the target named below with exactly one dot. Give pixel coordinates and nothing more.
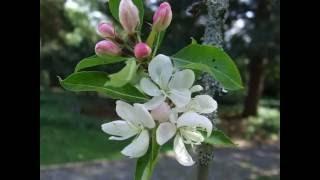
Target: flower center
(164, 92)
(191, 136)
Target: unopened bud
(106, 47)
(162, 17)
(106, 30)
(128, 16)
(161, 113)
(142, 50)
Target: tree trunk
(205, 154)
(257, 61)
(214, 36)
(255, 86)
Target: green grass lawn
(68, 136)
(277, 177)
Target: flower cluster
(172, 111)
(158, 101)
(114, 44)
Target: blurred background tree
(67, 35)
(258, 44)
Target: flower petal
(182, 108)
(154, 102)
(206, 104)
(182, 155)
(149, 87)
(192, 119)
(173, 116)
(120, 129)
(126, 112)
(165, 132)
(138, 147)
(196, 88)
(144, 116)
(180, 97)
(182, 79)
(160, 70)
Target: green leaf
(124, 76)
(114, 9)
(94, 81)
(138, 76)
(146, 163)
(219, 138)
(212, 60)
(96, 60)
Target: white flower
(136, 121)
(186, 128)
(202, 104)
(176, 86)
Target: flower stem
(146, 164)
(156, 46)
(138, 37)
(151, 38)
(154, 153)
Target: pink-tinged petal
(106, 47)
(162, 17)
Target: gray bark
(217, 13)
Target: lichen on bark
(213, 35)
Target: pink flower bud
(142, 50)
(106, 47)
(162, 17)
(161, 113)
(128, 16)
(106, 30)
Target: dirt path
(229, 164)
